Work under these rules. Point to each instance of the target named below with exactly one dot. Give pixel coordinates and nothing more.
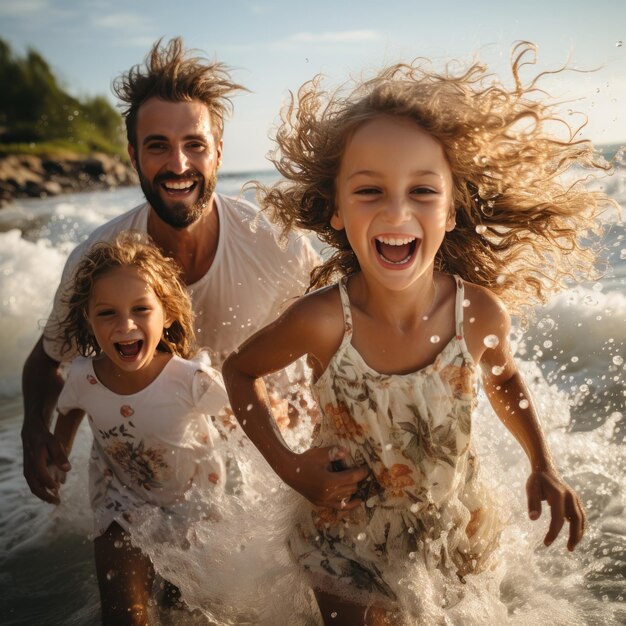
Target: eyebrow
(193, 137)
(415, 173)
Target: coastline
(29, 176)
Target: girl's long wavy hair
(129, 249)
(523, 223)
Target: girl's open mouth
(396, 250)
(129, 349)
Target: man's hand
(314, 478)
(42, 448)
(564, 505)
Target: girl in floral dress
(442, 197)
(148, 407)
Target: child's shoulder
(484, 315)
(323, 303)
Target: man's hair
(169, 72)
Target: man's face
(176, 158)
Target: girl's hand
(564, 505)
(314, 478)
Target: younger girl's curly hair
(130, 249)
(521, 225)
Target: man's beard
(178, 214)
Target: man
(236, 273)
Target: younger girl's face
(394, 199)
(126, 318)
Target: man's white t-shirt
(251, 278)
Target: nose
(397, 210)
(125, 323)
(179, 161)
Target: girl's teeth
(395, 241)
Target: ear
(133, 156)
(451, 220)
(218, 149)
(336, 221)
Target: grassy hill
(37, 116)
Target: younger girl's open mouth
(129, 349)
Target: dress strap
(347, 313)
(458, 314)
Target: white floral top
(148, 447)
(422, 498)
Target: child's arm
(511, 401)
(309, 327)
(65, 431)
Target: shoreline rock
(28, 176)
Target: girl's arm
(309, 327)
(65, 431)
(513, 404)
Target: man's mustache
(171, 176)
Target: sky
(273, 46)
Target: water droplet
(481, 229)
(117, 543)
(622, 254)
(414, 508)
(574, 359)
(524, 404)
(412, 555)
(545, 325)
(435, 339)
(491, 341)
(618, 360)
(466, 303)
(110, 574)
(496, 370)
(619, 44)
(361, 536)
(388, 446)
(472, 320)
(547, 343)
(333, 614)
(249, 407)
(500, 279)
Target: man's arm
(41, 385)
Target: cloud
(124, 21)
(338, 36)
(257, 8)
(23, 8)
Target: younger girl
(443, 199)
(147, 406)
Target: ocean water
(573, 358)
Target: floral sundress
(423, 498)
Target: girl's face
(126, 318)
(394, 199)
